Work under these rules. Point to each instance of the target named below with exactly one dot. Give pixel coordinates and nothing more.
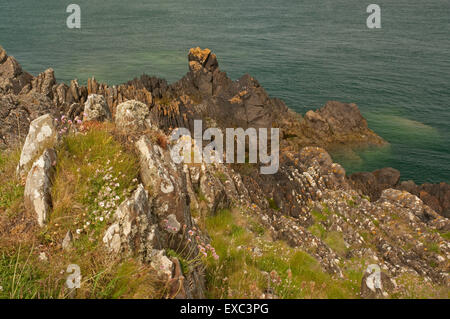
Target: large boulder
(37, 194)
(96, 109)
(132, 116)
(42, 134)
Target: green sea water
(305, 52)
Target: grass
(250, 267)
(333, 239)
(20, 278)
(11, 190)
(94, 174)
(272, 204)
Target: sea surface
(305, 52)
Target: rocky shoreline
(205, 93)
(379, 218)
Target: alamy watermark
(188, 150)
(74, 279)
(374, 19)
(74, 19)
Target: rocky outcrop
(96, 109)
(338, 123)
(372, 184)
(437, 196)
(37, 194)
(133, 116)
(42, 135)
(12, 77)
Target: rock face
(133, 116)
(42, 135)
(37, 194)
(96, 109)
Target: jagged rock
(12, 78)
(42, 135)
(75, 110)
(37, 194)
(366, 183)
(133, 231)
(133, 116)
(44, 83)
(376, 284)
(96, 109)
(67, 243)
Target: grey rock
(42, 135)
(132, 115)
(37, 194)
(96, 109)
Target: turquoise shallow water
(305, 52)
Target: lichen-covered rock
(133, 230)
(96, 109)
(42, 135)
(37, 194)
(133, 116)
(162, 264)
(164, 179)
